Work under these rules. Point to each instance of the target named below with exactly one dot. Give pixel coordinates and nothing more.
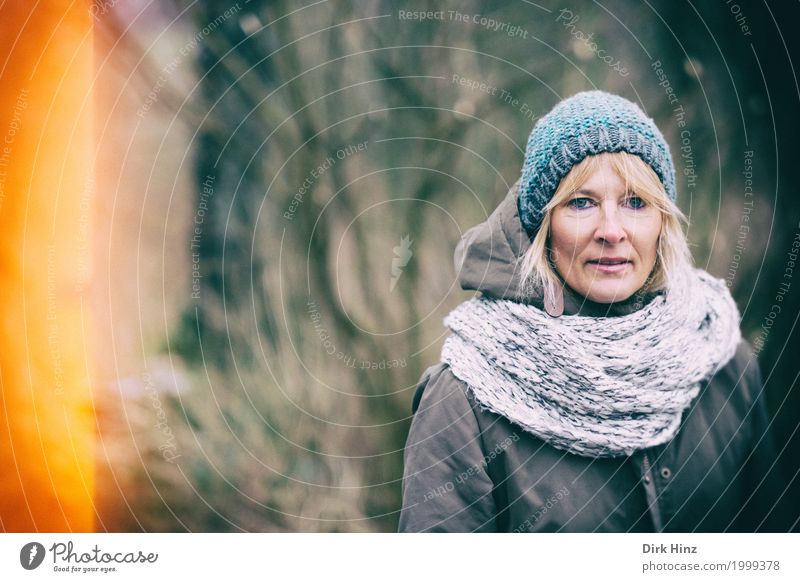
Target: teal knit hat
(586, 124)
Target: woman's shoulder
(741, 376)
(436, 385)
(443, 418)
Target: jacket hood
(488, 259)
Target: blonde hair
(537, 270)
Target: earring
(554, 300)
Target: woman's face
(603, 239)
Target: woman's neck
(577, 304)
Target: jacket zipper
(648, 470)
(650, 480)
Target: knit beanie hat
(586, 124)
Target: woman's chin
(610, 291)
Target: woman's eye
(635, 202)
(579, 203)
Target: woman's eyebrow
(595, 194)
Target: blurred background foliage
(310, 169)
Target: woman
(600, 382)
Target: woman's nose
(610, 228)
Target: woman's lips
(609, 267)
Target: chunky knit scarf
(600, 387)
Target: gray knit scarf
(600, 387)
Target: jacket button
(666, 473)
(647, 478)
